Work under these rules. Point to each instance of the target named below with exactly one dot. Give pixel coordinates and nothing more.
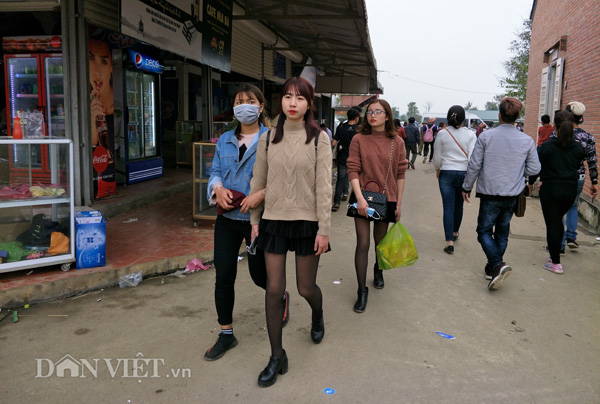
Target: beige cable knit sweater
(296, 178)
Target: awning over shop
(332, 35)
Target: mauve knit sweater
(297, 178)
(370, 158)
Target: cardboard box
(90, 241)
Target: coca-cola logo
(100, 159)
(55, 42)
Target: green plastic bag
(396, 249)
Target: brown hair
(510, 109)
(304, 88)
(250, 89)
(390, 129)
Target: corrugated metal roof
(332, 33)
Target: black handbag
(521, 202)
(376, 200)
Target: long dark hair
(390, 128)
(298, 85)
(563, 121)
(250, 89)
(455, 116)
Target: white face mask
(247, 114)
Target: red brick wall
(580, 22)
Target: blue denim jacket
(233, 174)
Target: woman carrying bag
(453, 147)
(293, 167)
(228, 186)
(376, 168)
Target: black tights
(306, 281)
(556, 200)
(361, 254)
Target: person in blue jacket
(229, 189)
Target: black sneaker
(572, 243)
(488, 272)
(224, 343)
(500, 273)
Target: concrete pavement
(536, 340)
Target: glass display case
(204, 153)
(218, 128)
(36, 218)
(188, 132)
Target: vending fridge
(33, 82)
(143, 159)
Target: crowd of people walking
(273, 190)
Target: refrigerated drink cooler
(34, 82)
(142, 148)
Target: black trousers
(556, 200)
(228, 240)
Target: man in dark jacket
(413, 138)
(343, 136)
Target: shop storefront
(140, 132)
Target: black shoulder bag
(376, 200)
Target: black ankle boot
(378, 277)
(317, 331)
(361, 302)
(268, 376)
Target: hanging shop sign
(216, 41)
(145, 63)
(195, 29)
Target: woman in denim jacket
(230, 174)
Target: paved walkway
(536, 340)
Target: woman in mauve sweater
(293, 165)
(377, 154)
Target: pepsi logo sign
(145, 63)
(139, 60)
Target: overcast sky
(455, 47)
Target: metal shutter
(103, 13)
(246, 54)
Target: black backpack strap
(268, 139)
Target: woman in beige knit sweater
(293, 165)
(377, 155)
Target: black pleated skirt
(280, 236)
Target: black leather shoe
(268, 376)
(317, 331)
(378, 277)
(449, 249)
(361, 302)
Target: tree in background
(494, 105)
(427, 106)
(516, 67)
(413, 111)
(396, 112)
(491, 106)
(469, 106)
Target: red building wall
(580, 22)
